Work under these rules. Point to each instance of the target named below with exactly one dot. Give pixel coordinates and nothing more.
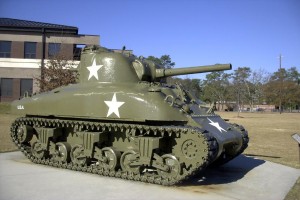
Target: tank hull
(120, 103)
(134, 129)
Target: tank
(122, 120)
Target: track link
(147, 177)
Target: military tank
(121, 120)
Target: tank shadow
(228, 173)
(258, 155)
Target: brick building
(26, 45)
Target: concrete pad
(242, 178)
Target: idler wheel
(62, 153)
(111, 158)
(127, 162)
(24, 133)
(78, 156)
(174, 167)
(38, 150)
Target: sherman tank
(122, 120)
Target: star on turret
(113, 106)
(217, 125)
(94, 70)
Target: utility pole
(280, 86)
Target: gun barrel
(160, 73)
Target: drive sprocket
(191, 148)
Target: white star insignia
(113, 106)
(217, 125)
(94, 70)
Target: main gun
(149, 71)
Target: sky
(245, 33)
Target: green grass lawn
(4, 108)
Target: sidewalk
(242, 178)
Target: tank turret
(120, 120)
(101, 64)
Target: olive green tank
(121, 120)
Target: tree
(216, 88)
(196, 86)
(242, 87)
(258, 79)
(283, 89)
(293, 74)
(57, 72)
(165, 61)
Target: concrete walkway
(242, 178)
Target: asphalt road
(242, 178)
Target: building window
(26, 86)
(30, 50)
(5, 48)
(6, 87)
(53, 49)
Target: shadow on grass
(228, 173)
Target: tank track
(147, 177)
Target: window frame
(22, 90)
(53, 49)
(5, 53)
(10, 94)
(32, 52)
